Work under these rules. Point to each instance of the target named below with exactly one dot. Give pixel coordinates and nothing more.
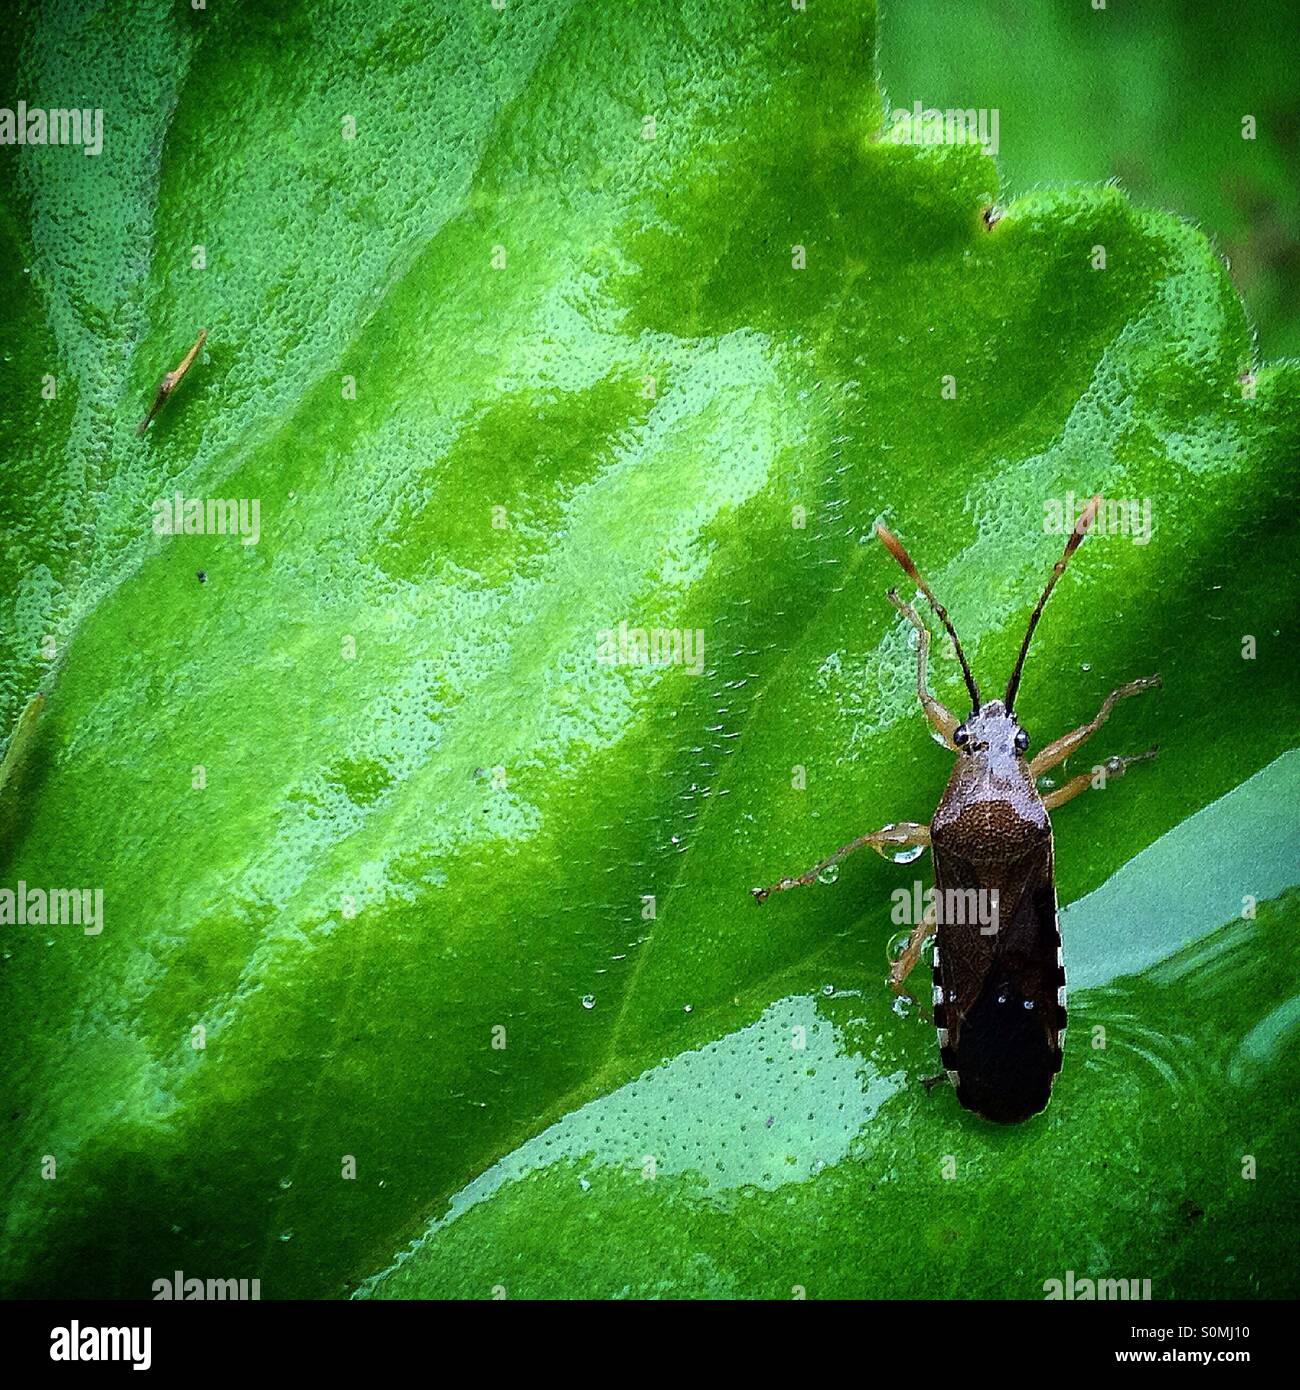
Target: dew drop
(688, 1008)
(588, 1001)
(897, 944)
(907, 856)
(286, 1182)
(829, 874)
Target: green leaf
(590, 389)
(797, 1154)
(1192, 107)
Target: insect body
(170, 380)
(999, 975)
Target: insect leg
(897, 835)
(1113, 767)
(941, 720)
(1060, 749)
(901, 968)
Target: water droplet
(829, 874)
(286, 1182)
(588, 1001)
(828, 989)
(897, 944)
(1085, 666)
(688, 1008)
(584, 1184)
(1029, 1003)
(286, 1235)
(906, 856)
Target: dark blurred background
(1149, 92)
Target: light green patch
(792, 1095)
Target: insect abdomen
(1005, 1065)
(1005, 1060)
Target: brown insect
(170, 380)
(999, 975)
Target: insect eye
(960, 736)
(1022, 740)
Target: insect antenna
(1058, 569)
(895, 548)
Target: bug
(170, 380)
(999, 992)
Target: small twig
(170, 379)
